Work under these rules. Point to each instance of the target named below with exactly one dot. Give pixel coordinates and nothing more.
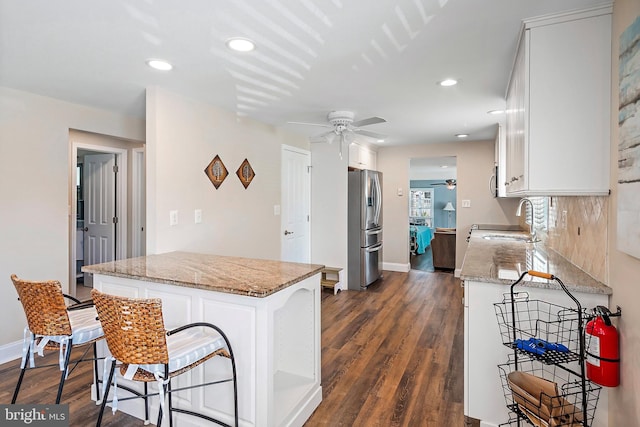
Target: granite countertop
(501, 261)
(234, 275)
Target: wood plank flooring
(391, 356)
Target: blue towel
(423, 236)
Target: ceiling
(379, 58)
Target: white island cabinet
(558, 115)
(269, 310)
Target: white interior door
(99, 175)
(296, 185)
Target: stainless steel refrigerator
(364, 251)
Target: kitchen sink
(507, 237)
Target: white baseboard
(395, 266)
(11, 351)
(486, 424)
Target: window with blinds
(541, 213)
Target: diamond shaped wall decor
(246, 173)
(216, 171)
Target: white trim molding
(11, 351)
(396, 266)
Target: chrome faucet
(532, 231)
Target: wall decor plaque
(216, 171)
(628, 240)
(246, 173)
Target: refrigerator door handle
(375, 248)
(378, 199)
(370, 232)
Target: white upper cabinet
(558, 106)
(361, 157)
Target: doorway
(432, 204)
(127, 184)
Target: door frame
(138, 202)
(121, 203)
(307, 153)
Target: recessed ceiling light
(159, 64)
(444, 166)
(381, 140)
(462, 135)
(448, 82)
(495, 112)
(240, 44)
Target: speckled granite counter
(502, 261)
(241, 276)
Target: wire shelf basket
(535, 328)
(564, 408)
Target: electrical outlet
(197, 216)
(173, 218)
(466, 203)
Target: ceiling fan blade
(370, 134)
(369, 121)
(326, 137)
(324, 125)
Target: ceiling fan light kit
(342, 126)
(450, 183)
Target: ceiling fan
(450, 183)
(344, 128)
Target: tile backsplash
(583, 239)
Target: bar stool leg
(64, 371)
(22, 371)
(95, 371)
(106, 392)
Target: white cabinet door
(354, 155)
(361, 157)
(558, 121)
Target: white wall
(329, 207)
(34, 190)
(183, 136)
(474, 159)
(624, 404)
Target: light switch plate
(466, 203)
(173, 218)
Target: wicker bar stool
(51, 325)
(145, 351)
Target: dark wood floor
(391, 356)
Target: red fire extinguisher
(603, 351)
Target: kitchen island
(493, 261)
(270, 311)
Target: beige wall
(34, 189)
(183, 136)
(475, 160)
(624, 403)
